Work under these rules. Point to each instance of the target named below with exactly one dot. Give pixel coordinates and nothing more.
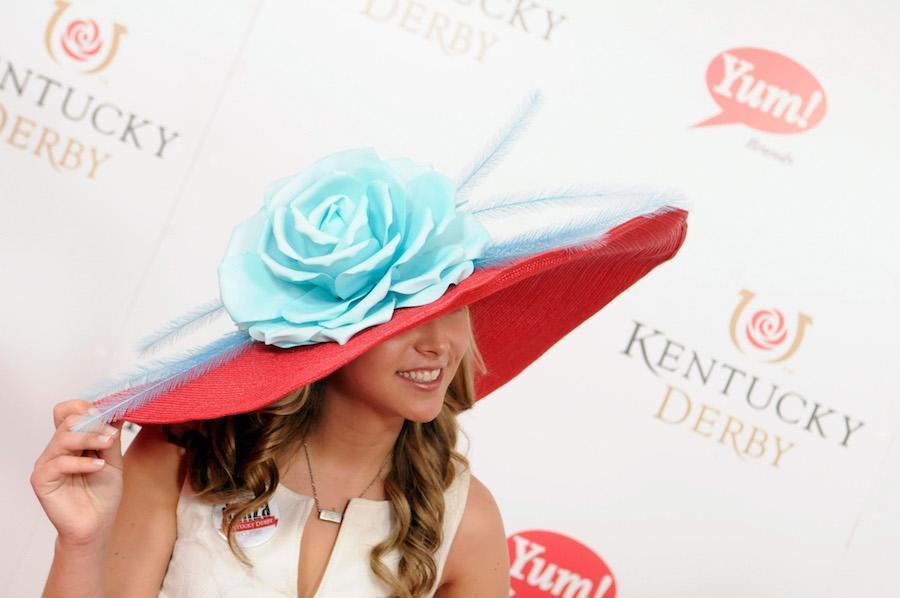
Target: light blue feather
(177, 327)
(126, 393)
(573, 217)
(498, 147)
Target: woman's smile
(423, 379)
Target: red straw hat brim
(518, 312)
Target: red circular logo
(544, 563)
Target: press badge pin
(254, 528)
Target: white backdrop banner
(727, 427)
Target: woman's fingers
(113, 451)
(66, 442)
(79, 504)
(51, 475)
(68, 464)
(72, 443)
(65, 408)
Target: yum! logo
(544, 563)
(764, 332)
(77, 41)
(764, 90)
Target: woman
(121, 537)
(354, 273)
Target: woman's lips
(426, 386)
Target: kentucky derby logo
(764, 90)
(254, 528)
(764, 331)
(78, 41)
(544, 563)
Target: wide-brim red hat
(518, 312)
(530, 271)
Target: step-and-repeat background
(727, 427)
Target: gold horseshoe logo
(61, 7)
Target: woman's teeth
(421, 376)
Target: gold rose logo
(764, 331)
(78, 41)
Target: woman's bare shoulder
(155, 464)
(478, 561)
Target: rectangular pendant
(332, 516)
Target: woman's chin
(424, 411)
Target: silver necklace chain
(327, 514)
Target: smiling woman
(313, 450)
(327, 441)
(349, 486)
(404, 363)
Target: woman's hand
(79, 496)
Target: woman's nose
(434, 337)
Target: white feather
(521, 225)
(177, 327)
(124, 394)
(498, 147)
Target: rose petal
(356, 228)
(320, 198)
(335, 220)
(282, 194)
(339, 260)
(284, 335)
(284, 234)
(379, 314)
(363, 274)
(307, 229)
(250, 292)
(272, 189)
(380, 213)
(245, 236)
(319, 213)
(359, 309)
(422, 225)
(453, 275)
(293, 275)
(317, 304)
(345, 160)
(414, 276)
(304, 246)
(438, 192)
(399, 211)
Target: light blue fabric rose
(337, 247)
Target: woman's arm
(77, 478)
(143, 535)
(77, 571)
(478, 563)
(131, 560)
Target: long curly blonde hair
(227, 457)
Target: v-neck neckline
(310, 498)
(309, 509)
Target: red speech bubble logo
(545, 563)
(764, 90)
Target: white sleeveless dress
(203, 566)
